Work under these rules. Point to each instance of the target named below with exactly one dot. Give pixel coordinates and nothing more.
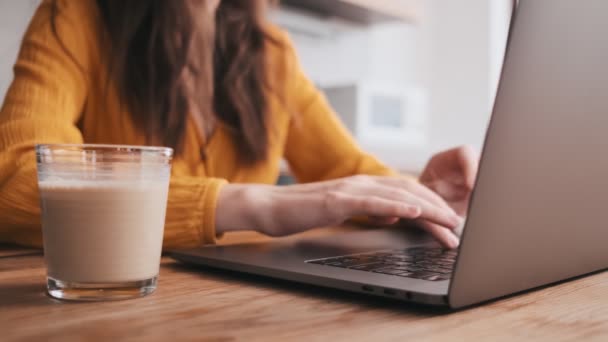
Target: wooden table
(201, 304)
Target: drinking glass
(103, 214)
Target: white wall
(14, 17)
(454, 52)
(459, 61)
(500, 19)
(386, 54)
(382, 53)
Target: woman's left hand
(451, 174)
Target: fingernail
(418, 210)
(457, 219)
(414, 210)
(454, 241)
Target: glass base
(100, 291)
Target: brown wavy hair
(171, 59)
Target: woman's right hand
(284, 210)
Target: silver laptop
(539, 211)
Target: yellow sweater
(59, 97)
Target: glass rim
(167, 151)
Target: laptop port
(390, 292)
(367, 288)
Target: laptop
(538, 213)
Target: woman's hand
(451, 174)
(283, 210)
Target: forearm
(273, 210)
(248, 207)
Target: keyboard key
(432, 277)
(390, 271)
(367, 267)
(426, 263)
(399, 257)
(357, 263)
(333, 263)
(414, 268)
(349, 259)
(405, 274)
(402, 268)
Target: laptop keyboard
(433, 264)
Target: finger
(450, 191)
(383, 221)
(444, 236)
(469, 163)
(444, 216)
(415, 187)
(376, 206)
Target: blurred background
(408, 77)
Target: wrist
(242, 207)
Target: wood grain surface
(197, 304)
(9, 251)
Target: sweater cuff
(208, 207)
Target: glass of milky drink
(103, 214)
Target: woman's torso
(105, 120)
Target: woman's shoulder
(67, 18)
(83, 12)
(280, 47)
(277, 33)
(74, 23)
(279, 39)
